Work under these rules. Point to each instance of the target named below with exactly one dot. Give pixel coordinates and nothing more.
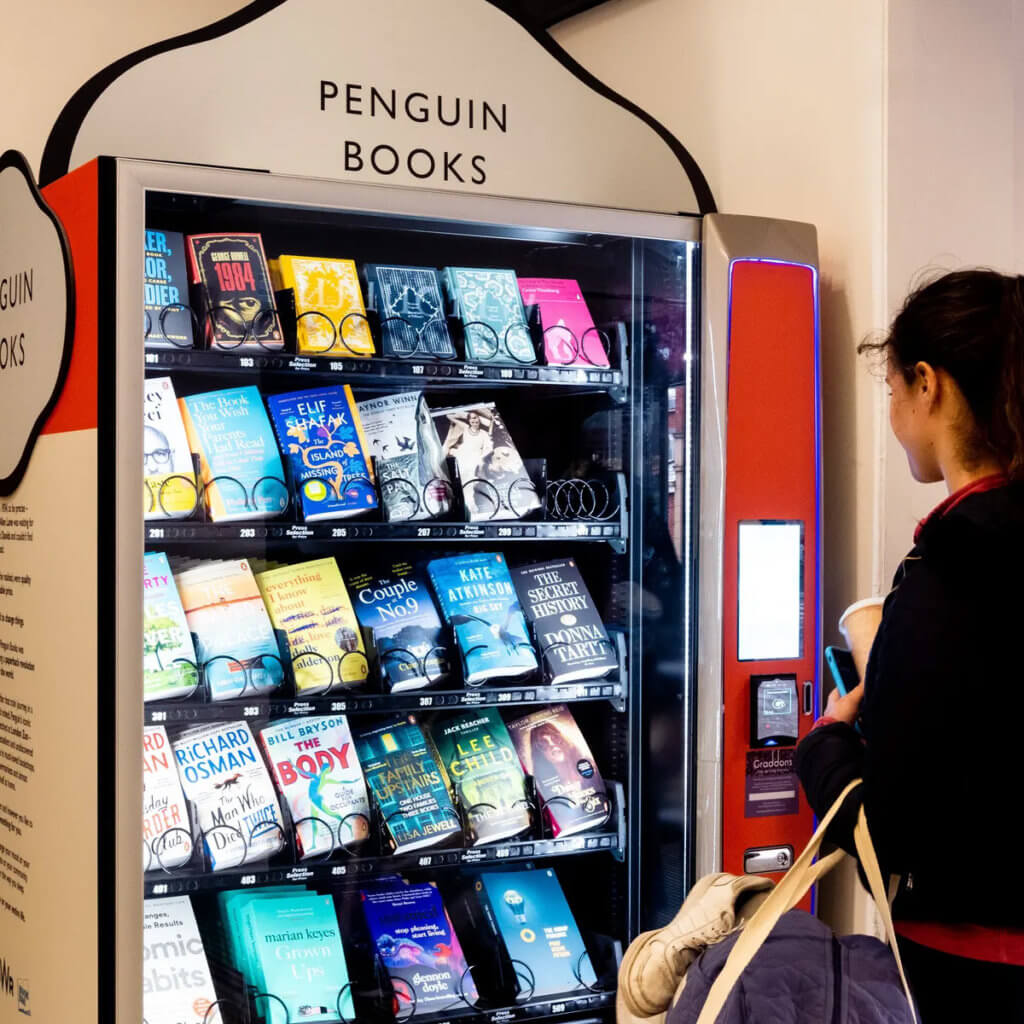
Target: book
(491, 310)
(396, 607)
(231, 904)
(552, 749)
(528, 913)
(237, 300)
(321, 435)
(569, 634)
(176, 984)
(494, 481)
(239, 463)
(411, 308)
(570, 337)
(169, 476)
(478, 601)
(235, 642)
(413, 478)
(316, 771)
(417, 947)
(169, 666)
(224, 777)
(482, 769)
(406, 784)
(330, 315)
(166, 828)
(166, 313)
(309, 604)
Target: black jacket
(943, 722)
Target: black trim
(60, 143)
(9, 484)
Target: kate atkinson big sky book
(166, 829)
(168, 660)
(170, 478)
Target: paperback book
(491, 309)
(406, 784)
(169, 666)
(482, 769)
(166, 829)
(396, 607)
(411, 308)
(495, 483)
(552, 749)
(480, 605)
(239, 462)
(570, 337)
(168, 473)
(403, 442)
(566, 627)
(166, 313)
(232, 279)
(322, 437)
(224, 777)
(314, 764)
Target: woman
(940, 707)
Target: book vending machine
(449, 567)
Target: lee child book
(491, 310)
(165, 301)
(570, 337)
(411, 310)
(168, 473)
(169, 666)
(166, 829)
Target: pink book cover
(570, 338)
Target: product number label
(558, 1007)
(425, 862)
(159, 890)
(506, 374)
(156, 533)
(504, 531)
(247, 880)
(337, 366)
(246, 362)
(339, 531)
(502, 851)
(340, 869)
(426, 702)
(159, 716)
(246, 532)
(422, 531)
(504, 698)
(152, 357)
(417, 369)
(339, 705)
(250, 712)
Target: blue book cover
(321, 435)
(417, 947)
(167, 316)
(407, 784)
(241, 467)
(491, 309)
(529, 911)
(411, 308)
(479, 602)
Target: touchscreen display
(771, 596)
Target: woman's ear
(926, 384)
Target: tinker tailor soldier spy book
(167, 315)
(411, 308)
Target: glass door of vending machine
(416, 564)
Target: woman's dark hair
(969, 323)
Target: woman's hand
(845, 708)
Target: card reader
(774, 711)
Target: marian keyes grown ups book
(314, 764)
(407, 784)
(239, 462)
(491, 309)
(321, 435)
(570, 337)
(167, 315)
(394, 604)
(552, 749)
(411, 309)
(224, 777)
(403, 442)
(168, 660)
(166, 829)
(170, 489)
(231, 277)
(480, 605)
(570, 637)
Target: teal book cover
(491, 309)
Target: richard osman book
(167, 316)
(166, 829)
(491, 309)
(570, 337)
(169, 666)
(168, 473)
(411, 308)
(480, 605)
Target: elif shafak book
(166, 829)
(570, 337)
(169, 476)
(167, 314)
(411, 309)
(491, 309)
(169, 666)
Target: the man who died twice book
(224, 777)
(321, 435)
(495, 484)
(166, 829)
(411, 308)
(478, 601)
(570, 637)
(491, 309)
(482, 769)
(231, 276)
(168, 660)
(314, 764)
(417, 947)
(570, 337)
(407, 784)
(167, 316)
(552, 749)
(169, 475)
(176, 984)
(395, 605)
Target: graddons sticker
(36, 315)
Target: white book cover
(168, 657)
(166, 829)
(169, 475)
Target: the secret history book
(166, 312)
(570, 337)
(169, 666)
(491, 309)
(169, 475)
(166, 829)
(411, 309)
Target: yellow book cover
(310, 605)
(328, 305)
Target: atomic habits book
(315, 768)
(322, 437)
(480, 604)
(239, 461)
(168, 473)
(407, 784)
(569, 634)
(414, 481)
(224, 777)
(396, 606)
(570, 337)
(233, 281)
(166, 829)
(411, 308)
(482, 768)
(166, 312)
(169, 660)
(552, 749)
(491, 309)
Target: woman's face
(474, 421)
(911, 425)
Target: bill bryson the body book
(478, 601)
(407, 784)
(169, 475)
(569, 634)
(165, 300)
(570, 337)
(411, 308)
(166, 829)
(491, 309)
(321, 434)
(169, 666)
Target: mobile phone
(844, 671)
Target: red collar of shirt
(985, 483)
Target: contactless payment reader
(774, 711)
